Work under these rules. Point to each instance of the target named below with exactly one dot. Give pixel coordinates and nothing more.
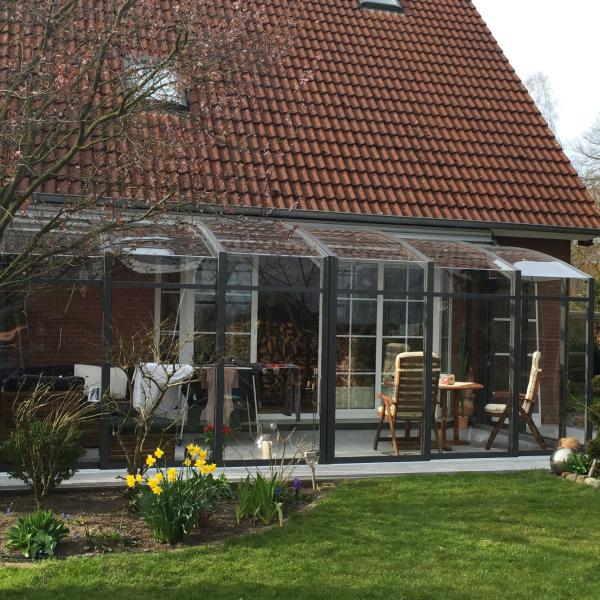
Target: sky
(559, 38)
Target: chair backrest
(534, 382)
(408, 382)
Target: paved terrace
(91, 478)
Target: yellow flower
(192, 449)
(152, 482)
(138, 478)
(206, 469)
(202, 454)
(171, 474)
(159, 477)
(150, 460)
(156, 489)
(199, 463)
(187, 462)
(159, 453)
(130, 481)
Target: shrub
(579, 463)
(43, 451)
(172, 500)
(260, 498)
(593, 448)
(596, 385)
(37, 535)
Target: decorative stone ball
(559, 458)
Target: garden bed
(100, 522)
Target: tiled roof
(414, 115)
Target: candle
(266, 450)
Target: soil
(100, 521)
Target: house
(407, 197)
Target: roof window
(160, 85)
(387, 5)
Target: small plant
(172, 500)
(596, 385)
(44, 448)
(37, 535)
(207, 440)
(260, 498)
(579, 463)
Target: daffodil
(150, 460)
(130, 481)
(192, 449)
(159, 453)
(171, 474)
(159, 477)
(156, 489)
(199, 463)
(152, 482)
(187, 462)
(202, 454)
(206, 469)
(138, 478)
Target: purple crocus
(297, 485)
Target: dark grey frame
(327, 368)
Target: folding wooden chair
(406, 404)
(502, 411)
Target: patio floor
(110, 477)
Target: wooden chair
(406, 404)
(502, 411)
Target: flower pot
(463, 422)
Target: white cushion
(92, 375)
(495, 408)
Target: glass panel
(544, 336)
(394, 318)
(458, 255)
(260, 236)
(364, 317)
(364, 244)
(536, 265)
(474, 348)
(51, 336)
(373, 329)
(576, 399)
(271, 390)
(161, 241)
(287, 271)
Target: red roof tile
(415, 115)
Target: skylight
(388, 5)
(160, 85)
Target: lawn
(522, 535)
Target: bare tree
(540, 89)
(587, 157)
(105, 101)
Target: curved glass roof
(364, 244)
(207, 236)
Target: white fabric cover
(151, 379)
(92, 375)
(495, 408)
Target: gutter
(575, 233)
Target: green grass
(525, 535)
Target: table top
(461, 385)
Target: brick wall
(64, 324)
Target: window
(161, 86)
(387, 5)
